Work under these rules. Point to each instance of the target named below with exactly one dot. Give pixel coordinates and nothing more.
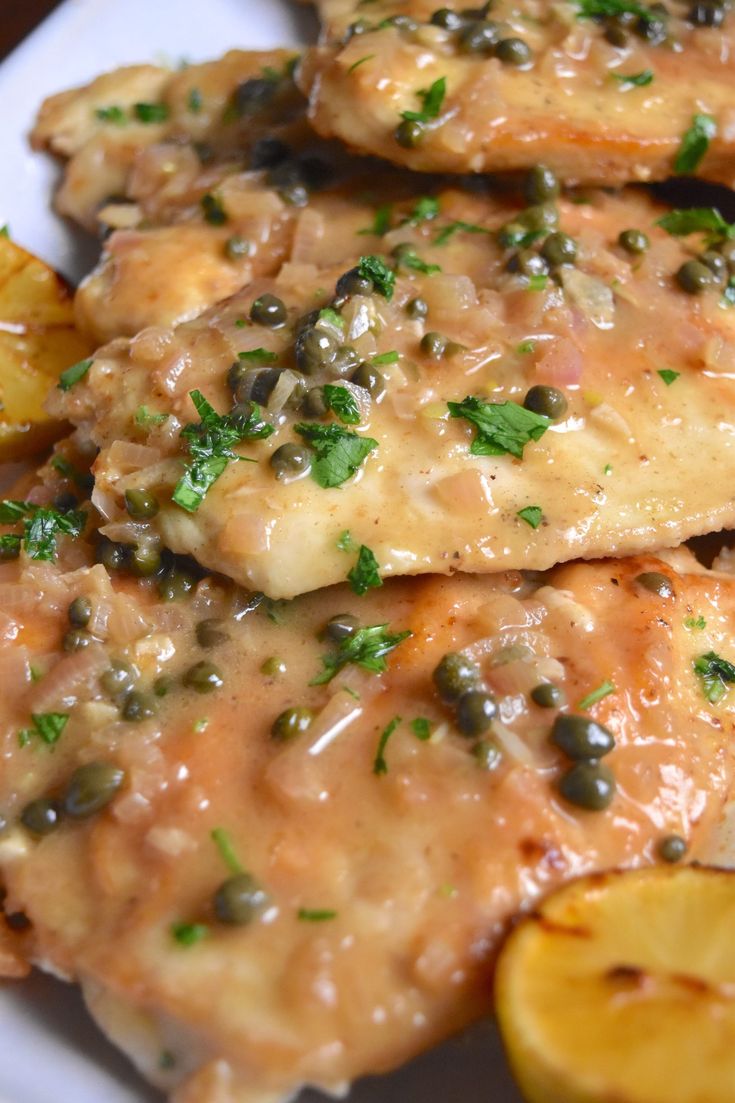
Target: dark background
(18, 17)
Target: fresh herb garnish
(360, 61)
(375, 269)
(609, 9)
(532, 515)
(72, 375)
(634, 80)
(596, 695)
(339, 453)
(425, 209)
(342, 403)
(47, 726)
(224, 844)
(316, 915)
(409, 258)
(515, 237)
(145, 417)
(452, 228)
(381, 222)
(694, 144)
(695, 622)
(668, 375)
(432, 99)
(151, 112)
(380, 766)
(258, 356)
(194, 101)
(502, 427)
(332, 316)
(365, 575)
(188, 934)
(391, 357)
(214, 212)
(525, 347)
(345, 542)
(697, 220)
(41, 527)
(538, 283)
(421, 728)
(112, 114)
(366, 648)
(715, 675)
(210, 446)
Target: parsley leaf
(380, 766)
(188, 934)
(72, 375)
(315, 915)
(41, 527)
(452, 228)
(146, 417)
(9, 546)
(532, 515)
(431, 102)
(596, 695)
(425, 209)
(391, 357)
(381, 222)
(365, 575)
(375, 269)
(258, 356)
(151, 112)
(607, 9)
(634, 80)
(715, 675)
(214, 212)
(339, 453)
(696, 220)
(366, 648)
(345, 542)
(342, 403)
(502, 427)
(112, 114)
(226, 847)
(12, 510)
(694, 144)
(333, 317)
(695, 622)
(409, 258)
(421, 728)
(48, 726)
(210, 447)
(668, 375)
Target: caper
(273, 667)
(542, 216)
(41, 816)
(238, 900)
(269, 310)
(716, 263)
(91, 788)
(360, 26)
(76, 639)
(694, 277)
(409, 133)
(454, 675)
(314, 404)
(145, 559)
(253, 95)
(367, 375)
(417, 308)
(141, 504)
(292, 722)
(256, 385)
(447, 18)
(137, 706)
(111, 554)
(80, 612)
(475, 712)
(579, 737)
(633, 241)
(487, 754)
(510, 234)
(176, 584)
(65, 502)
(268, 152)
(315, 349)
(672, 848)
(548, 696)
(354, 283)
(162, 685)
(237, 247)
(433, 345)
(513, 51)
(559, 249)
(402, 23)
(290, 460)
(541, 183)
(548, 401)
(203, 677)
(589, 785)
(616, 34)
(479, 37)
(209, 633)
(527, 263)
(659, 584)
(341, 627)
(346, 359)
(653, 30)
(118, 678)
(245, 418)
(706, 15)
(727, 249)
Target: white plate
(49, 1049)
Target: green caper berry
(141, 504)
(417, 308)
(652, 30)
(345, 361)
(409, 133)
(145, 559)
(703, 14)
(475, 712)
(315, 349)
(633, 241)
(203, 677)
(616, 35)
(589, 785)
(176, 584)
(354, 283)
(541, 183)
(269, 310)
(548, 696)
(290, 460)
(548, 401)
(694, 277)
(509, 235)
(446, 18)
(479, 37)
(657, 583)
(136, 707)
(256, 385)
(716, 263)
(513, 51)
(672, 848)
(111, 554)
(579, 737)
(367, 376)
(76, 639)
(542, 216)
(527, 263)
(91, 788)
(238, 900)
(314, 404)
(80, 612)
(454, 675)
(118, 678)
(487, 754)
(559, 249)
(41, 816)
(273, 667)
(341, 627)
(292, 722)
(162, 686)
(433, 345)
(237, 247)
(209, 633)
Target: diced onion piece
(593, 297)
(511, 744)
(71, 675)
(308, 237)
(288, 381)
(561, 363)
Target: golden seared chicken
(508, 388)
(604, 92)
(277, 843)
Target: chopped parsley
(210, 446)
(607, 469)
(425, 209)
(538, 283)
(380, 766)
(634, 80)
(381, 222)
(432, 99)
(214, 212)
(188, 934)
(342, 403)
(72, 375)
(365, 575)
(375, 269)
(41, 527)
(345, 542)
(596, 695)
(366, 648)
(226, 848)
(502, 427)
(112, 114)
(695, 622)
(697, 220)
(146, 418)
(258, 356)
(360, 61)
(194, 101)
(151, 112)
(512, 236)
(421, 728)
(609, 9)
(409, 258)
(532, 515)
(525, 347)
(316, 915)
(339, 453)
(715, 675)
(668, 375)
(694, 144)
(46, 726)
(452, 228)
(391, 357)
(332, 316)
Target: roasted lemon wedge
(37, 342)
(621, 989)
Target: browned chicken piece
(601, 98)
(487, 405)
